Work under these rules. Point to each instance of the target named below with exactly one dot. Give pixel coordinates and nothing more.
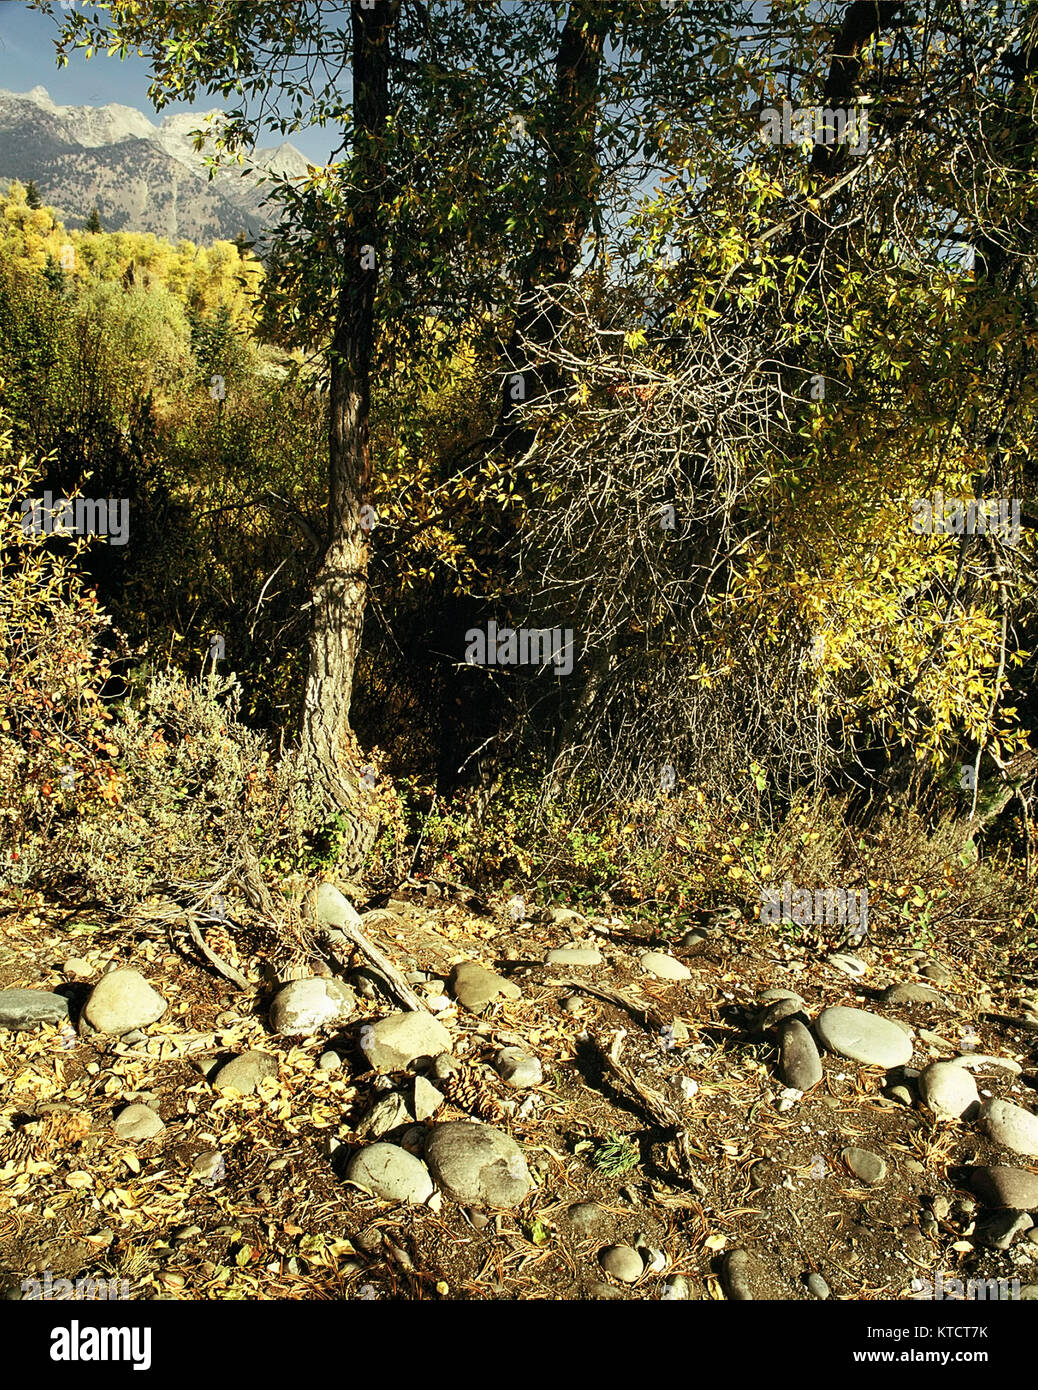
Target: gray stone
(333, 910)
(737, 1273)
(779, 1010)
(1011, 1126)
(388, 1113)
(425, 1099)
(583, 1217)
(598, 1288)
(329, 1061)
(137, 1122)
(799, 1063)
(949, 1091)
(866, 1166)
(477, 1164)
(935, 1040)
(209, 1166)
(244, 1073)
(901, 1093)
(572, 1004)
(664, 967)
(475, 986)
(622, 1263)
(848, 964)
(998, 1230)
(390, 1173)
(816, 1286)
(303, 1007)
(1000, 1186)
(566, 917)
(911, 993)
(517, 1068)
(22, 1009)
(78, 968)
(574, 955)
(863, 1037)
(121, 1001)
(396, 1042)
(1029, 1293)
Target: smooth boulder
(122, 1001)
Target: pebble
(209, 1166)
(329, 1061)
(517, 1068)
(949, 1091)
(935, 1040)
(1011, 1126)
(574, 955)
(816, 1286)
(863, 1037)
(244, 1073)
(911, 993)
(78, 968)
(799, 1063)
(22, 1009)
(902, 1094)
(1001, 1186)
(572, 1004)
(598, 1288)
(866, 1166)
(622, 1263)
(396, 1042)
(137, 1122)
(477, 1164)
(181, 1234)
(474, 986)
(303, 1007)
(664, 967)
(941, 1208)
(980, 1061)
(772, 996)
(391, 1173)
(121, 1001)
(737, 1272)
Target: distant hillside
(140, 176)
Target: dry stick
(227, 971)
(398, 986)
(652, 1103)
(649, 1018)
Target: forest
(592, 530)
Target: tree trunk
(340, 586)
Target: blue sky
(27, 60)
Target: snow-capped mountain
(141, 176)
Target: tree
(93, 222)
(32, 195)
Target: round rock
(1011, 1126)
(949, 1091)
(137, 1122)
(583, 1217)
(864, 1037)
(866, 1166)
(475, 986)
(737, 1274)
(390, 1173)
(664, 967)
(517, 1068)
(622, 1262)
(911, 993)
(122, 1001)
(396, 1042)
(477, 1164)
(244, 1073)
(303, 1007)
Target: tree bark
(340, 586)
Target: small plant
(615, 1155)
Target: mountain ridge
(142, 176)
